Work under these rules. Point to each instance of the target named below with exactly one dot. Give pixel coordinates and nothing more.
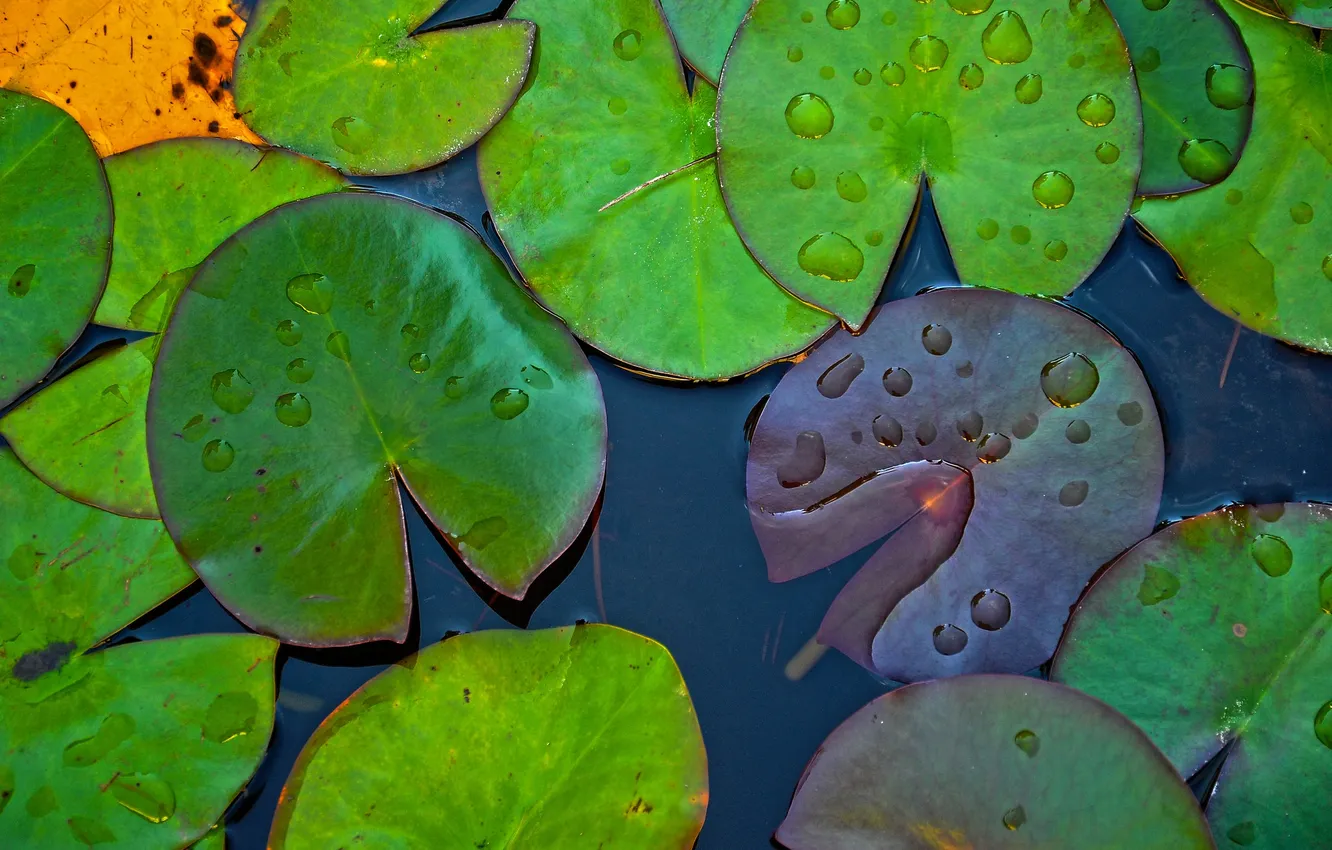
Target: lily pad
(581, 736)
(1211, 635)
(142, 745)
(1196, 83)
(1312, 13)
(364, 91)
(704, 30)
(1009, 446)
(55, 237)
(176, 201)
(990, 761)
(129, 75)
(326, 352)
(1258, 246)
(84, 434)
(830, 117)
(658, 279)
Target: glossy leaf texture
(326, 352)
(1006, 446)
(1196, 83)
(55, 237)
(176, 201)
(570, 737)
(704, 29)
(1312, 13)
(364, 91)
(84, 434)
(990, 762)
(828, 120)
(1210, 635)
(1259, 245)
(132, 72)
(140, 745)
(658, 279)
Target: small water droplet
(971, 77)
(1026, 426)
(928, 53)
(1205, 160)
(1327, 267)
(889, 18)
(311, 292)
(875, 123)
(418, 362)
(794, 54)
(1234, 196)
(887, 430)
(837, 378)
(1229, 86)
(991, 610)
(863, 76)
(508, 403)
(1107, 153)
(1015, 817)
(802, 177)
(352, 134)
(231, 391)
(851, 187)
(299, 371)
(1155, 5)
(292, 409)
(874, 238)
(993, 448)
(897, 382)
(1096, 110)
(1148, 60)
(926, 433)
(809, 116)
(1006, 40)
(987, 229)
(1078, 432)
(410, 332)
(1157, 586)
(20, 282)
(1077, 60)
(949, 640)
(1243, 834)
(1073, 494)
(831, 255)
(620, 167)
(218, 455)
(1020, 234)
(1301, 213)
(628, 45)
(288, 332)
(893, 74)
(1056, 250)
(937, 339)
(1129, 413)
(970, 7)
(148, 796)
(806, 461)
(195, 429)
(1069, 380)
(484, 532)
(969, 426)
(453, 387)
(371, 307)
(827, 72)
(807, 17)
(1081, 8)
(339, 345)
(535, 376)
(1028, 742)
(1271, 554)
(1052, 190)
(1029, 89)
(617, 105)
(843, 14)
(229, 716)
(1323, 725)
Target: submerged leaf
(582, 736)
(1008, 445)
(704, 29)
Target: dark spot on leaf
(223, 21)
(205, 48)
(467, 695)
(196, 74)
(45, 660)
(178, 90)
(213, 126)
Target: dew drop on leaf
(617, 105)
(1205, 160)
(535, 376)
(1157, 586)
(20, 282)
(1155, 5)
(1096, 110)
(893, 74)
(1107, 153)
(851, 187)
(229, 716)
(897, 382)
(148, 796)
(991, 610)
(937, 339)
(194, 430)
(1229, 86)
(1078, 432)
(827, 72)
(928, 53)
(1234, 197)
(926, 432)
(1006, 40)
(806, 462)
(1029, 89)
(1301, 213)
(1129, 413)
(970, 7)
(292, 409)
(218, 455)
(310, 292)
(339, 345)
(1149, 60)
(1271, 554)
(1056, 250)
(1015, 817)
(299, 371)
(809, 116)
(508, 403)
(1323, 724)
(1052, 189)
(794, 54)
(1026, 426)
(874, 238)
(831, 255)
(1020, 234)
(289, 332)
(1069, 380)
(971, 77)
(453, 387)
(1028, 742)
(949, 640)
(969, 426)
(418, 362)
(887, 430)
(231, 391)
(628, 45)
(863, 76)
(843, 14)
(1073, 494)
(1243, 833)
(837, 378)
(987, 229)
(993, 448)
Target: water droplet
(418, 362)
(928, 53)
(146, 795)
(863, 76)
(1327, 267)
(535, 376)
(969, 426)
(794, 54)
(1107, 153)
(1049, 18)
(851, 187)
(806, 461)
(311, 292)
(628, 45)
(1155, 5)
(1157, 586)
(1029, 89)
(87, 831)
(353, 135)
(484, 532)
(617, 105)
(1015, 817)
(1243, 834)
(1149, 60)
(897, 382)
(1205, 160)
(970, 7)
(874, 238)
(1078, 432)
(20, 282)
(1301, 213)
(453, 387)
(229, 716)
(1081, 8)
(1020, 234)
(195, 429)
(115, 730)
(1229, 86)
(299, 371)
(42, 802)
(926, 433)
(990, 610)
(937, 339)
(218, 455)
(807, 17)
(809, 116)
(887, 430)
(837, 378)
(508, 403)
(802, 177)
(1026, 426)
(1052, 190)
(1077, 60)
(288, 332)
(843, 14)
(893, 74)
(292, 409)
(971, 77)
(410, 332)
(339, 345)
(620, 167)
(371, 307)
(1028, 742)
(231, 391)
(993, 448)
(1073, 494)
(827, 72)
(1069, 380)
(1271, 554)
(1055, 250)
(875, 123)
(1006, 40)
(987, 229)
(1234, 196)
(1129, 413)
(1323, 725)
(1096, 110)
(949, 640)
(831, 255)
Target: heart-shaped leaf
(84, 434)
(1024, 118)
(1196, 83)
(1212, 634)
(1259, 246)
(330, 349)
(55, 237)
(704, 30)
(986, 762)
(1009, 445)
(362, 90)
(176, 201)
(582, 736)
(129, 74)
(659, 279)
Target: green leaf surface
(84, 434)
(1313, 13)
(362, 91)
(1196, 83)
(176, 201)
(1258, 246)
(989, 762)
(330, 349)
(583, 736)
(704, 30)
(829, 118)
(55, 237)
(658, 280)
(1213, 632)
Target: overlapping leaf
(1313, 13)
(703, 30)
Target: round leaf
(55, 237)
(1009, 445)
(176, 201)
(328, 350)
(659, 279)
(1259, 246)
(829, 119)
(704, 29)
(582, 736)
(990, 761)
(363, 91)
(1212, 632)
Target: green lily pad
(363, 91)
(55, 237)
(704, 30)
(1258, 246)
(176, 201)
(986, 762)
(1196, 83)
(581, 736)
(141, 745)
(1212, 633)
(326, 352)
(84, 434)
(658, 280)
(1024, 119)
(1312, 13)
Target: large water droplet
(218, 455)
(229, 716)
(987, 229)
(1148, 60)
(292, 409)
(1271, 554)
(971, 77)
(20, 282)
(1020, 234)
(628, 45)
(195, 429)
(148, 796)
(1096, 110)
(794, 53)
(874, 238)
(827, 72)
(1234, 197)
(1243, 833)
(1157, 585)
(843, 14)
(311, 292)
(454, 388)
(863, 76)
(1323, 725)
(802, 177)
(887, 430)
(807, 17)
(1129, 413)
(1056, 250)
(937, 339)
(352, 134)
(949, 640)
(806, 461)
(809, 116)
(288, 332)
(837, 378)
(508, 403)
(418, 362)
(851, 187)
(1078, 432)
(536, 377)
(1006, 40)
(970, 7)
(1029, 89)
(620, 166)
(231, 391)
(1229, 86)
(993, 448)
(893, 74)
(1073, 493)
(833, 256)
(299, 371)
(1301, 213)
(926, 433)
(1026, 426)
(1069, 380)
(897, 382)
(991, 610)
(115, 730)
(1052, 190)
(1015, 817)
(1205, 160)
(970, 425)
(339, 345)
(1028, 742)
(617, 105)
(1107, 153)
(928, 53)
